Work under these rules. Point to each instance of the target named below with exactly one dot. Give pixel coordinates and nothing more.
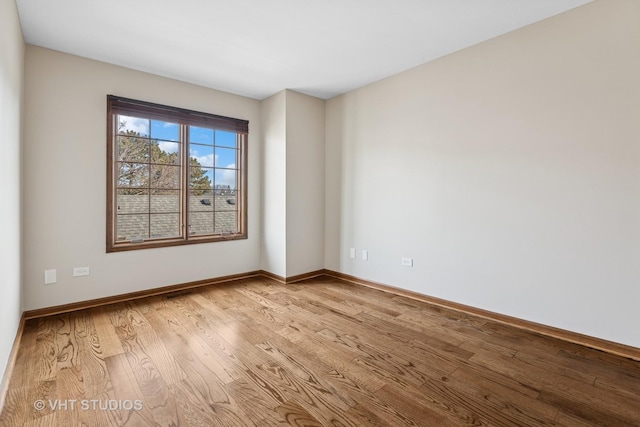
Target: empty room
(389, 213)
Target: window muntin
(174, 176)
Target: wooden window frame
(124, 106)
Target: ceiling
(256, 48)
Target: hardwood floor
(316, 353)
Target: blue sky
(212, 148)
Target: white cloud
(227, 177)
(134, 124)
(168, 147)
(207, 160)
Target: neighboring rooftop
(209, 214)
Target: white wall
(509, 171)
(305, 183)
(65, 187)
(293, 184)
(274, 215)
(11, 94)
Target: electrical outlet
(407, 262)
(365, 255)
(352, 253)
(80, 271)
(50, 277)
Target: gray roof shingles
(209, 214)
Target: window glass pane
(200, 135)
(165, 130)
(163, 176)
(201, 179)
(223, 189)
(201, 155)
(226, 158)
(226, 202)
(165, 225)
(131, 149)
(132, 227)
(132, 174)
(226, 139)
(165, 152)
(201, 223)
(226, 180)
(133, 126)
(171, 180)
(226, 222)
(165, 201)
(132, 201)
(201, 201)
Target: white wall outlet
(352, 253)
(365, 255)
(80, 271)
(49, 277)
(407, 262)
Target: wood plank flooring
(317, 353)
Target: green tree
(199, 182)
(142, 163)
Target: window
(174, 176)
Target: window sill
(150, 244)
